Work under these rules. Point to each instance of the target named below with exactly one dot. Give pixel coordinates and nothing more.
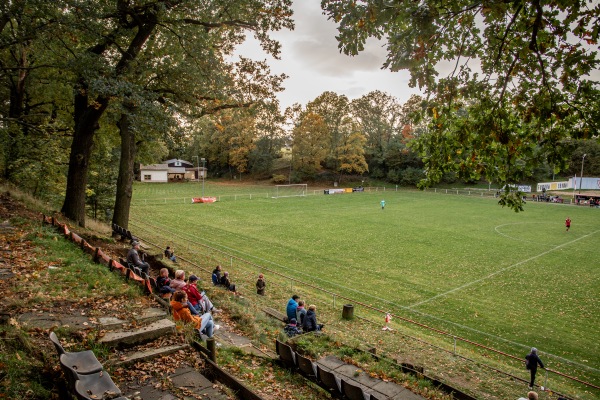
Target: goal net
(290, 190)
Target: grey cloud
(324, 57)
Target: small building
(154, 173)
(171, 171)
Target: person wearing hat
(531, 362)
(291, 329)
(133, 257)
(197, 299)
(261, 284)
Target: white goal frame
(293, 190)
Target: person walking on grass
(382, 204)
(532, 360)
(568, 223)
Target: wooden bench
(125, 234)
(271, 312)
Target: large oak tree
(109, 42)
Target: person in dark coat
(216, 276)
(310, 320)
(133, 257)
(226, 282)
(261, 284)
(532, 360)
(292, 329)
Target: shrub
(279, 179)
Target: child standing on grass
(261, 285)
(568, 223)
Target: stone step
(150, 354)
(145, 317)
(150, 315)
(142, 335)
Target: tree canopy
(507, 82)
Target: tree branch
(512, 21)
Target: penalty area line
(466, 285)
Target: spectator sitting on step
(291, 307)
(310, 320)
(291, 329)
(530, 396)
(226, 282)
(133, 257)
(170, 254)
(216, 276)
(178, 284)
(163, 283)
(261, 284)
(204, 324)
(198, 299)
(300, 312)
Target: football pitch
(461, 264)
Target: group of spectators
(190, 304)
(299, 319)
(220, 278)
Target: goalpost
(290, 190)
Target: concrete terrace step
(150, 354)
(139, 336)
(184, 378)
(145, 317)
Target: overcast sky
(311, 59)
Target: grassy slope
(514, 280)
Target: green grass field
(461, 264)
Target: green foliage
(521, 83)
(75, 273)
(24, 370)
(279, 179)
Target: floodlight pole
(581, 177)
(203, 173)
(197, 168)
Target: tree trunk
(125, 179)
(86, 124)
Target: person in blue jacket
(292, 304)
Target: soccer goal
(290, 190)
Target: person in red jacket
(198, 300)
(568, 223)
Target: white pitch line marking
(466, 285)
